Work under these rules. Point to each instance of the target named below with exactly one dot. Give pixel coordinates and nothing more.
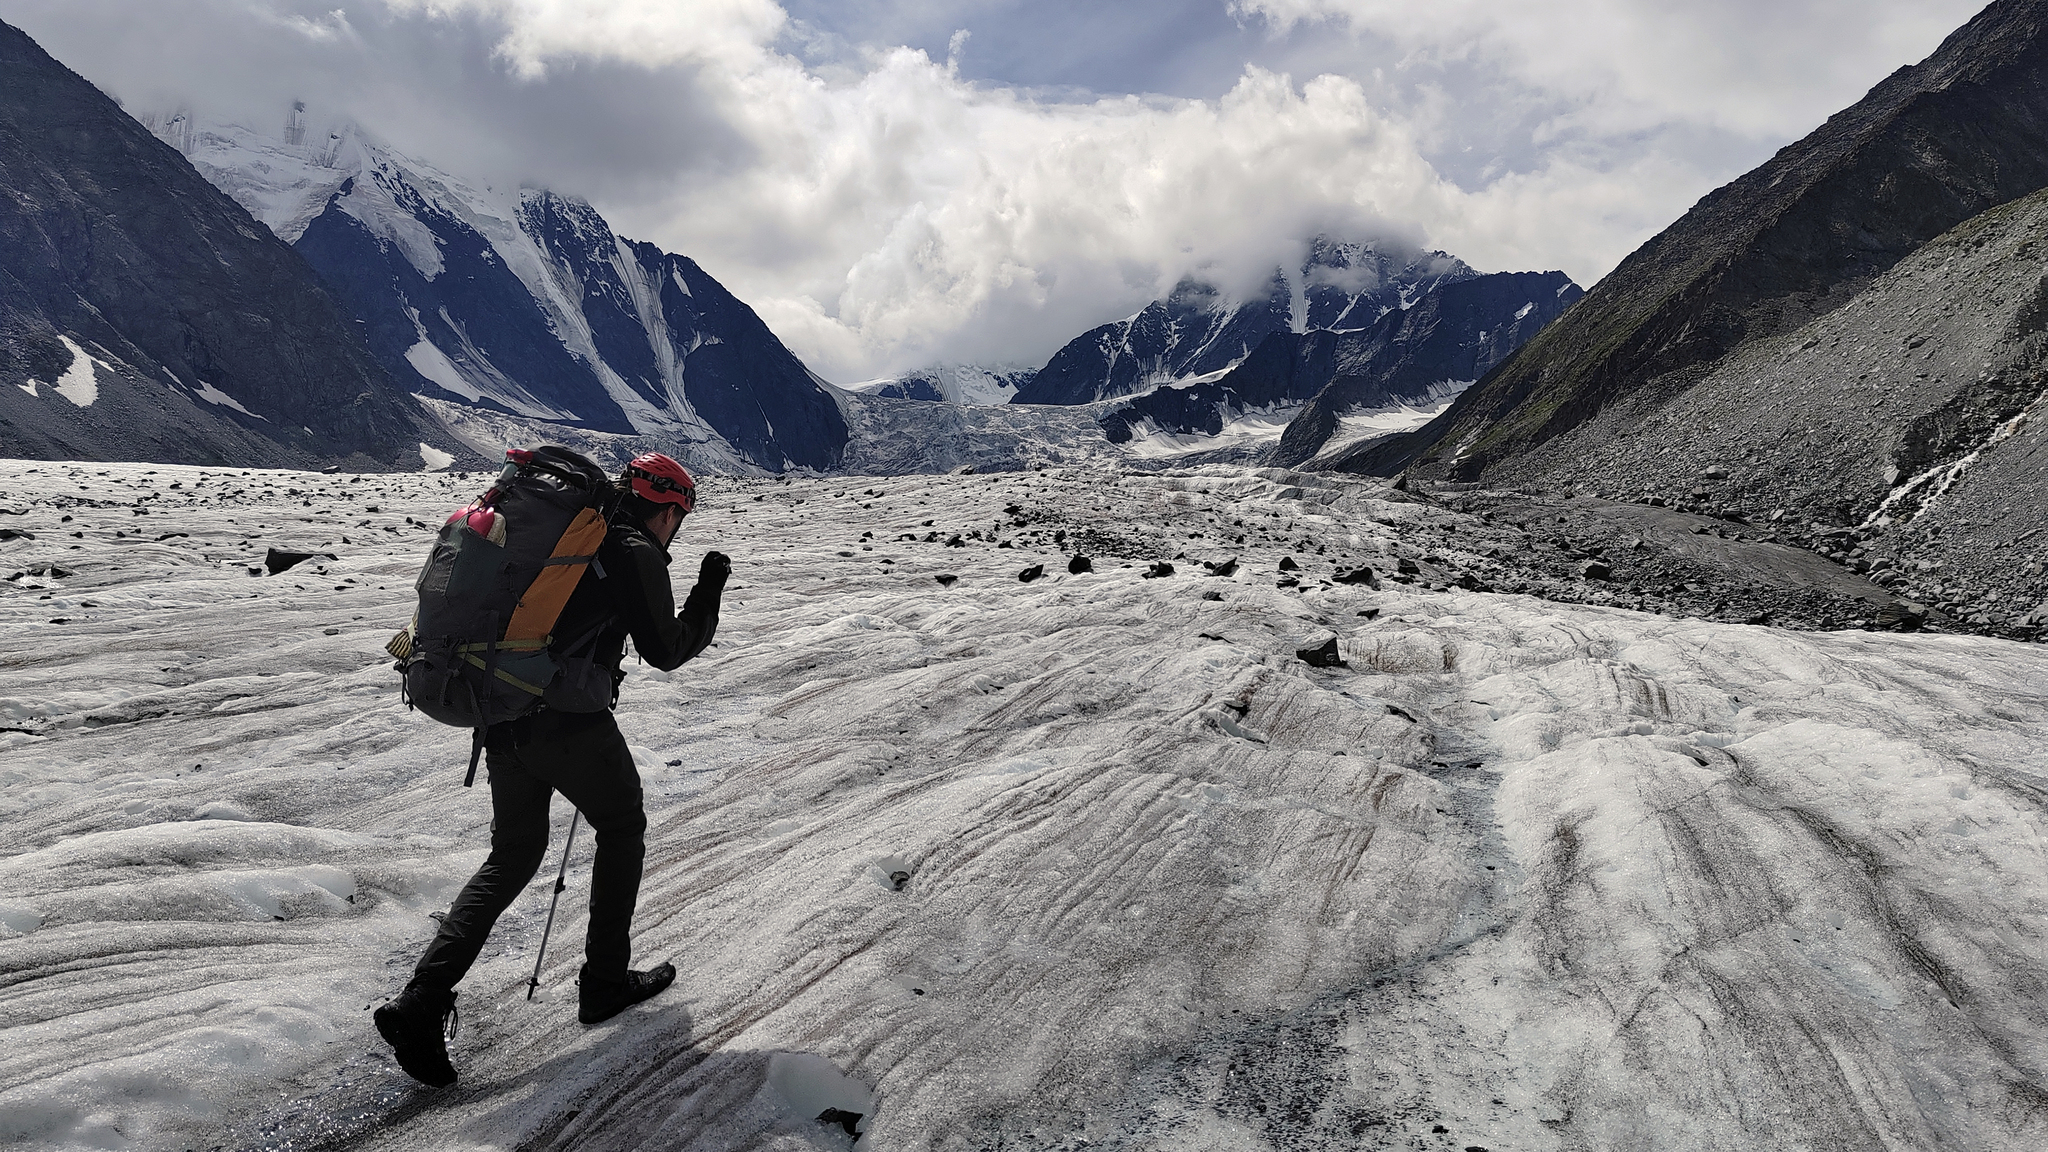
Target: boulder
(1902, 616)
(1323, 655)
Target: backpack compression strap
(542, 605)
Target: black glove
(712, 573)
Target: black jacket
(625, 593)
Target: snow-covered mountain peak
(522, 301)
(1202, 328)
(1348, 284)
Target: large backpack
(481, 648)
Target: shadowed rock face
(474, 310)
(1457, 332)
(1192, 331)
(746, 385)
(911, 388)
(1932, 146)
(145, 316)
(955, 383)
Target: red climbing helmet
(660, 480)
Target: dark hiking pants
(592, 768)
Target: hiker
(582, 755)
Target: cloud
(1753, 67)
(966, 222)
(332, 25)
(903, 214)
(881, 210)
(643, 32)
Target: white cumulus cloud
(898, 214)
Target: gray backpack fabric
(481, 648)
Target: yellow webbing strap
(542, 605)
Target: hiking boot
(418, 1025)
(600, 1000)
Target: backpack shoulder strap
(542, 604)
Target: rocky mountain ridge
(1841, 351)
(144, 315)
(1904, 434)
(1456, 333)
(1931, 146)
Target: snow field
(1522, 875)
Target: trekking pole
(560, 883)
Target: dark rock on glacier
(146, 316)
(1323, 655)
(846, 1120)
(279, 560)
(1902, 616)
